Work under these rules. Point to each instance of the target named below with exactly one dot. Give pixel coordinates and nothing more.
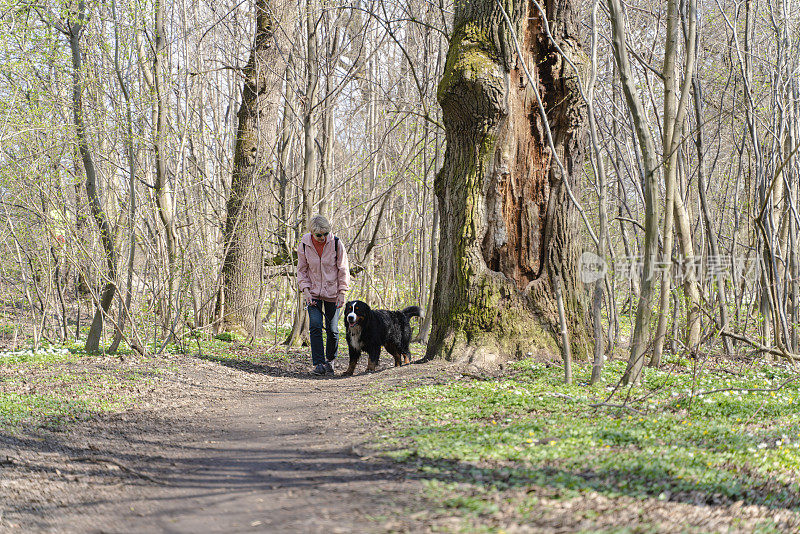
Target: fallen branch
(609, 405)
(597, 404)
(749, 390)
(756, 345)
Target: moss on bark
(494, 322)
(485, 313)
(472, 56)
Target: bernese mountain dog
(368, 330)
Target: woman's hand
(308, 298)
(340, 300)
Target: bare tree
(74, 29)
(641, 334)
(162, 191)
(244, 259)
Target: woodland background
(159, 162)
(354, 131)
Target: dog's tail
(412, 311)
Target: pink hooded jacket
(323, 276)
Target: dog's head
(356, 312)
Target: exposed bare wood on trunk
(507, 226)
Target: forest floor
(248, 441)
(212, 446)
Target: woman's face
(320, 236)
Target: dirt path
(233, 452)
(234, 446)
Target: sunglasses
(322, 235)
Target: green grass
(53, 387)
(58, 386)
(6, 329)
(530, 429)
(41, 357)
(45, 411)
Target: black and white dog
(368, 330)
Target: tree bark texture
(507, 225)
(251, 176)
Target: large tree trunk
(691, 287)
(328, 123)
(257, 119)
(670, 75)
(675, 111)
(508, 227)
(285, 143)
(602, 215)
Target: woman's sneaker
(319, 370)
(329, 367)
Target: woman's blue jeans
(325, 315)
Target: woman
(323, 274)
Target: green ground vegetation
(53, 387)
(720, 432)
